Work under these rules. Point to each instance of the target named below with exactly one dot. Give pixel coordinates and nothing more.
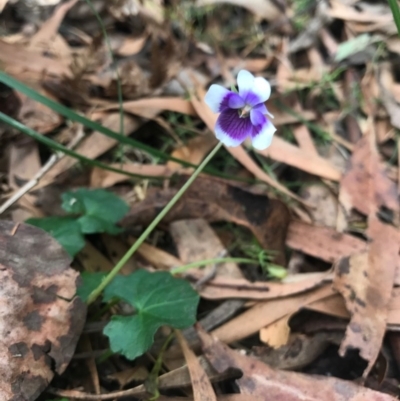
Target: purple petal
(235, 101)
(215, 97)
(232, 130)
(261, 108)
(262, 135)
(257, 118)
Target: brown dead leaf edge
(41, 319)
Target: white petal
(214, 97)
(262, 89)
(264, 138)
(245, 81)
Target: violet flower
(243, 115)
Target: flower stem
(107, 280)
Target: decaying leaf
(215, 200)
(366, 185)
(261, 381)
(202, 388)
(261, 8)
(366, 280)
(196, 240)
(322, 242)
(222, 287)
(41, 319)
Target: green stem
(182, 269)
(107, 280)
(396, 14)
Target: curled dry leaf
(267, 312)
(322, 242)
(41, 320)
(201, 384)
(232, 287)
(215, 200)
(366, 280)
(261, 381)
(365, 184)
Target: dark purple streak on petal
(234, 126)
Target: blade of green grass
(58, 147)
(396, 14)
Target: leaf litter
(322, 202)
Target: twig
(39, 175)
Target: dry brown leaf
(24, 162)
(227, 288)
(101, 178)
(195, 240)
(131, 46)
(362, 13)
(265, 9)
(276, 334)
(325, 204)
(41, 320)
(214, 200)
(260, 380)
(143, 107)
(335, 306)
(267, 312)
(365, 186)
(92, 260)
(300, 351)
(193, 151)
(366, 280)
(322, 242)
(23, 63)
(38, 116)
(157, 257)
(49, 29)
(93, 146)
(201, 384)
(304, 139)
(292, 155)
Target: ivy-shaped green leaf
(159, 299)
(100, 210)
(66, 230)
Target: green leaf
(65, 230)
(93, 224)
(90, 281)
(96, 202)
(159, 299)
